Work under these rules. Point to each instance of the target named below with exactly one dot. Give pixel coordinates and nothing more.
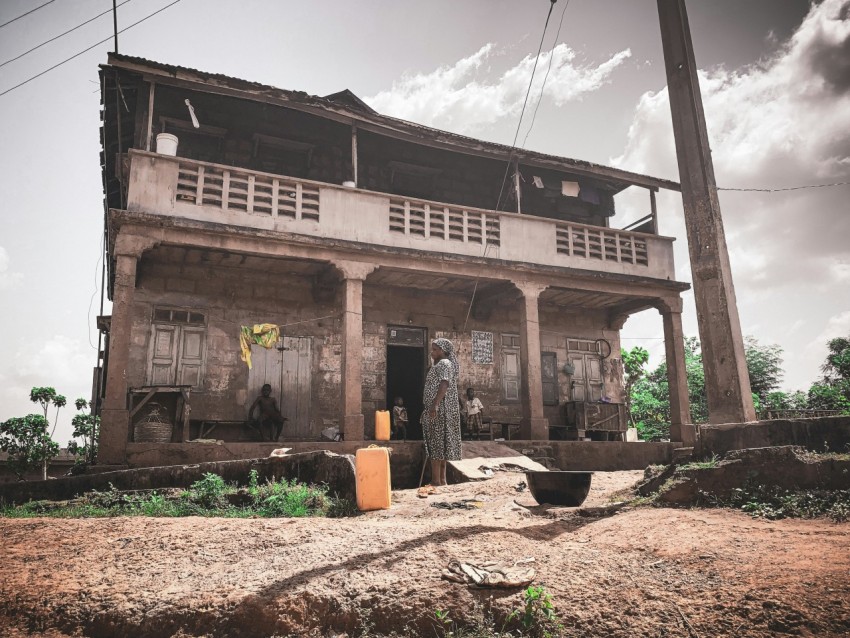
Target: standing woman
(441, 420)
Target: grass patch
(706, 464)
(210, 496)
(774, 503)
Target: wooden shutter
(162, 362)
(594, 377)
(510, 374)
(190, 364)
(579, 391)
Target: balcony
(183, 188)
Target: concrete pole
(681, 428)
(534, 426)
(727, 383)
(351, 422)
(114, 431)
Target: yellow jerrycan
(382, 425)
(372, 471)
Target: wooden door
(265, 368)
(163, 354)
(296, 391)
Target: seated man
(269, 414)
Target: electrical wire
(82, 24)
(778, 190)
(76, 55)
(546, 77)
(510, 156)
(41, 6)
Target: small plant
(537, 616)
(208, 492)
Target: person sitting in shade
(270, 415)
(474, 412)
(399, 424)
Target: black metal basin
(567, 489)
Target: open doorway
(406, 373)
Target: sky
(775, 78)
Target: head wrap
(449, 348)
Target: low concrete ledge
(598, 456)
(405, 460)
(334, 470)
(819, 434)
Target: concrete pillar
(534, 426)
(681, 428)
(114, 430)
(727, 382)
(351, 401)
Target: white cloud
(8, 280)
(461, 97)
(779, 123)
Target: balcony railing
(211, 192)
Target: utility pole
(727, 383)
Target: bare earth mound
(641, 572)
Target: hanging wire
(82, 24)
(41, 6)
(96, 44)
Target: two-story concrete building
(363, 237)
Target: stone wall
(825, 434)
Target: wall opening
(406, 373)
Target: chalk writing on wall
(482, 347)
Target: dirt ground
(640, 572)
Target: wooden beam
(150, 116)
(354, 153)
(654, 213)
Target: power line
(510, 155)
(76, 55)
(41, 6)
(82, 24)
(546, 77)
(777, 190)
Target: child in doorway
(399, 424)
(474, 412)
(270, 415)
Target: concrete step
(682, 454)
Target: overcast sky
(775, 80)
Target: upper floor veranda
(333, 169)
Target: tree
(87, 428)
(634, 361)
(28, 443)
(764, 365)
(29, 440)
(833, 391)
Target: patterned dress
(442, 434)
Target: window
(177, 348)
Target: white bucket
(166, 144)
(349, 184)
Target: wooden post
(517, 188)
(150, 116)
(354, 154)
(654, 211)
(727, 383)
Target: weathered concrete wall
(598, 456)
(405, 459)
(234, 290)
(823, 434)
(336, 471)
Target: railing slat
(225, 190)
(299, 200)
